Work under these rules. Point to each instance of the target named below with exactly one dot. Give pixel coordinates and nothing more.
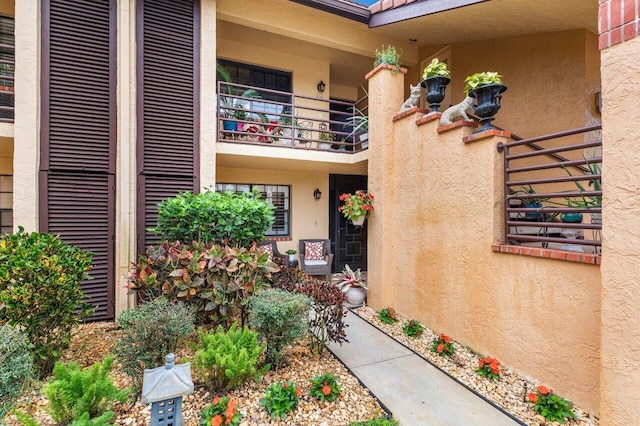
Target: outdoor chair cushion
(313, 251)
(315, 262)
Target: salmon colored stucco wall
(552, 78)
(436, 226)
(620, 375)
(309, 217)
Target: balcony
(262, 117)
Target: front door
(349, 243)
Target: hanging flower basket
(356, 206)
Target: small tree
(213, 217)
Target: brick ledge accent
(382, 67)
(486, 134)
(428, 118)
(278, 238)
(455, 124)
(571, 256)
(408, 113)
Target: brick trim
(570, 256)
(409, 112)
(618, 21)
(384, 67)
(455, 124)
(486, 134)
(429, 118)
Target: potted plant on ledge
(353, 285)
(356, 206)
(486, 88)
(291, 256)
(435, 78)
(388, 55)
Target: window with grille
(6, 204)
(7, 67)
(275, 195)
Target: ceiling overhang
(339, 7)
(416, 10)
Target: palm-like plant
(234, 107)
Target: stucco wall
(538, 316)
(620, 375)
(309, 217)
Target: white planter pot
(359, 221)
(356, 296)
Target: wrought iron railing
(7, 72)
(553, 190)
(255, 116)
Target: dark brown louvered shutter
(78, 135)
(168, 106)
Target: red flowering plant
(223, 411)
(413, 328)
(325, 387)
(551, 406)
(387, 315)
(488, 367)
(443, 346)
(356, 205)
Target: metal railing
(7, 72)
(553, 190)
(256, 116)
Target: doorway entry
(349, 243)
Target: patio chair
(272, 247)
(316, 257)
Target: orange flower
(533, 397)
(440, 348)
(298, 392)
(447, 339)
(543, 390)
(216, 420)
(231, 409)
(216, 400)
(392, 314)
(285, 385)
(488, 360)
(326, 390)
(481, 362)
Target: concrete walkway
(413, 390)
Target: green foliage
(225, 360)
(40, 292)
(16, 366)
(280, 398)
(481, 79)
(488, 367)
(215, 279)
(150, 332)
(103, 420)
(413, 328)
(325, 387)
(443, 346)
(387, 315)
(381, 421)
(76, 394)
(388, 55)
(326, 322)
(551, 406)
(436, 68)
(24, 418)
(279, 317)
(214, 217)
(223, 411)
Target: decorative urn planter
(435, 86)
(356, 296)
(571, 217)
(488, 99)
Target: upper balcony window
(7, 68)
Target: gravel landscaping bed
(93, 341)
(510, 393)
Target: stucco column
(386, 92)
(27, 115)
(620, 374)
(208, 114)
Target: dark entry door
(349, 242)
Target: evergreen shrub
(16, 367)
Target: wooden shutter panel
(168, 106)
(78, 135)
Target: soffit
(488, 20)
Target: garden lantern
(164, 387)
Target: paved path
(413, 390)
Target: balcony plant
(435, 78)
(589, 201)
(353, 285)
(388, 55)
(233, 108)
(356, 206)
(486, 88)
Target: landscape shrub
(103, 420)
(326, 323)
(151, 330)
(325, 387)
(223, 411)
(16, 367)
(82, 394)
(214, 217)
(280, 317)
(381, 421)
(226, 359)
(280, 398)
(40, 292)
(215, 279)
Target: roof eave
(417, 9)
(340, 8)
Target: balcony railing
(255, 116)
(7, 72)
(553, 191)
